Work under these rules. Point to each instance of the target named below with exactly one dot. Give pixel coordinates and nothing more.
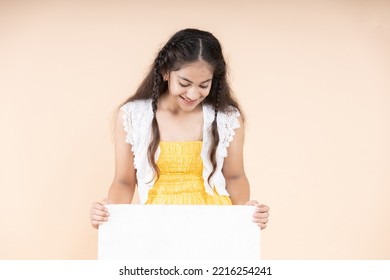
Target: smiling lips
(188, 101)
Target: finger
(262, 208)
(260, 215)
(99, 212)
(256, 219)
(96, 224)
(261, 223)
(98, 218)
(105, 201)
(252, 202)
(99, 207)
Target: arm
(237, 183)
(123, 185)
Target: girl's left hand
(261, 214)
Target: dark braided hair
(187, 46)
(214, 132)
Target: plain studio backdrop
(312, 78)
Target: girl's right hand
(98, 213)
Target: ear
(165, 76)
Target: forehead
(195, 70)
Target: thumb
(252, 202)
(105, 201)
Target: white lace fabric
(137, 119)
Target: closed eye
(184, 85)
(187, 85)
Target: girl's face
(189, 85)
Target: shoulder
(229, 125)
(230, 116)
(133, 115)
(230, 112)
(140, 104)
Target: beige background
(313, 79)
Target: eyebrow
(193, 82)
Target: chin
(188, 106)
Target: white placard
(179, 232)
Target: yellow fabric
(181, 179)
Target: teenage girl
(180, 137)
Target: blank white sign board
(179, 232)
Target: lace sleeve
(127, 123)
(229, 121)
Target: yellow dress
(181, 179)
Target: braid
(214, 131)
(218, 98)
(159, 62)
(156, 83)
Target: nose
(193, 93)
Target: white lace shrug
(137, 118)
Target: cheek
(176, 90)
(205, 92)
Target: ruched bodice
(181, 180)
